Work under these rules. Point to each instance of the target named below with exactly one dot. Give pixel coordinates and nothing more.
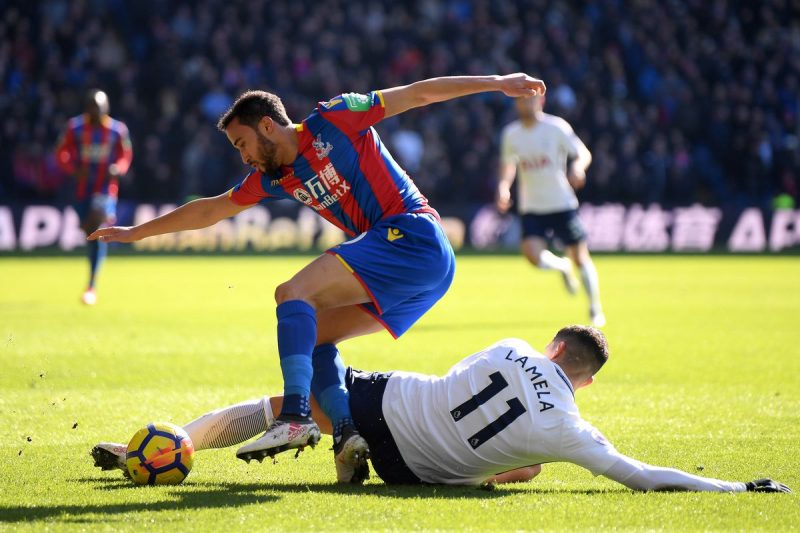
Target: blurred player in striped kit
(551, 162)
(96, 150)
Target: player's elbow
(518, 475)
(529, 472)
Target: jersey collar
(563, 377)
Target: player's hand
(766, 485)
(520, 84)
(576, 178)
(503, 202)
(113, 234)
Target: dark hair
(251, 107)
(585, 345)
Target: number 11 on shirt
(515, 410)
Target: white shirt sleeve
(585, 446)
(637, 475)
(570, 141)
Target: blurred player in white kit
(549, 162)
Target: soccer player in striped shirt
(96, 150)
(394, 268)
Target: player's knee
(532, 257)
(286, 291)
(582, 259)
(292, 290)
(579, 254)
(535, 259)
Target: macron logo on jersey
(393, 234)
(331, 103)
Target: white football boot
(286, 433)
(89, 297)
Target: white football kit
(540, 153)
(507, 407)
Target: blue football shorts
(405, 263)
(566, 226)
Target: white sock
(230, 425)
(591, 283)
(550, 261)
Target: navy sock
(297, 334)
(97, 252)
(329, 388)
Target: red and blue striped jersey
(342, 170)
(87, 150)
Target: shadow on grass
(187, 497)
(207, 495)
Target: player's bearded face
(267, 160)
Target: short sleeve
(570, 140)
(249, 191)
(124, 134)
(507, 154)
(124, 149)
(353, 112)
(584, 445)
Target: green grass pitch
(704, 376)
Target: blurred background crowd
(680, 101)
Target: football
(160, 454)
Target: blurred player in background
(551, 161)
(96, 150)
(396, 266)
(495, 416)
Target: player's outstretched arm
(641, 476)
(196, 214)
(396, 100)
